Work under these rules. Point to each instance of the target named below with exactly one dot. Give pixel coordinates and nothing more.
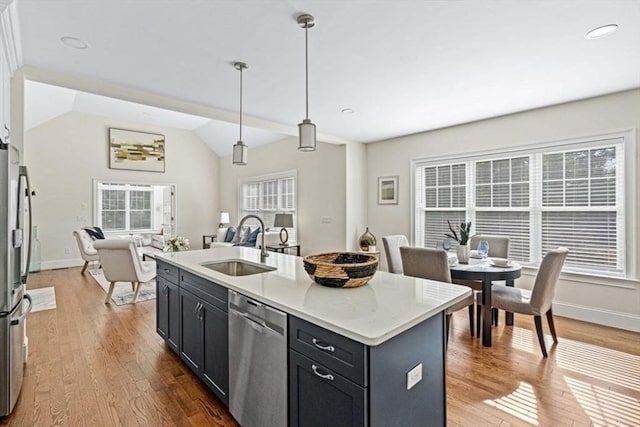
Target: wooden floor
(95, 364)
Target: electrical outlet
(81, 218)
(414, 376)
(325, 220)
(67, 251)
(84, 206)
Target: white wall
(615, 306)
(356, 197)
(65, 154)
(321, 189)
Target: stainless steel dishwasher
(257, 363)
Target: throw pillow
(231, 232)
(252, 237)
(241, 235)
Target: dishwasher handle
(260, 322)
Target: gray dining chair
(392, 245)
(538, 301)
(499, 248)
(433, 264)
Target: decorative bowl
(500, 262)
(341, 269)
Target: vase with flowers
(177, 244)
(462, 237)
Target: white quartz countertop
(371, 314)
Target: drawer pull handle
(166, 270)
(323, 376)
(318, 344)
(165, 290)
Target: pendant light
(239, 148)
(306, 129)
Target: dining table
(487, 272)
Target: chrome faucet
(263, 249)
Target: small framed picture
(388, 190)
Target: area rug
(122, 293)
(42, 298)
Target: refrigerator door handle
(24, 315)
(23, 173)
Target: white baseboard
(615, 319)
(62, 263)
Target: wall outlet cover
(414, 376)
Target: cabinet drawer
(341, 354)
(210, 292)
(320, 397)
(167, 271)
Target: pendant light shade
(240, 148)
(306, 129)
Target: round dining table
(483, 270)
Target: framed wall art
(139, 151)
(388, 190)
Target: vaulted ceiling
(403, 66)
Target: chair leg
(135, 296)
(84, 267)
(538, 321)
(552, 327)
(111, 286)
(133, 286)
(471, 319)
(494, 316)
(478, 319)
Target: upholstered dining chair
(499, 248)
(433, 264)
(121, 263)
(538, 301)
(392, 245)
(85, 246)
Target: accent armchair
(86, 248)
(121, 263)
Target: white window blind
(268, 195)
(565, 194)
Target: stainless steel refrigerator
(15, 254)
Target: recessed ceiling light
(74, 42)
(348, 111)
(600, 32)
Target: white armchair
(85, 245)
(121, 263)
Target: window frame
(627, 178)
(169, 229)
(277, 177)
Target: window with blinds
(564, 194)
(266, 196)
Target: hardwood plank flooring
(97, 364)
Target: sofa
(271, 238)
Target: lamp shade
(239, 153)
(307, 136)
(283, 220)
(224, 218)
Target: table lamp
(283, 220)
(224, 219)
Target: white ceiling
(404, 66)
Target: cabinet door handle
(200, 310)
(8, 135)
(165, 289)
(197, 310)
(323, 376)
(320, 345)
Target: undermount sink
(238, 268)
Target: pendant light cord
(241, 103)
(306, 64)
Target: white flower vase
(463, 254)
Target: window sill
(592, 279)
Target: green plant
(465, 231)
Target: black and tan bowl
(341, 269)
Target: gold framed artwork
(388, 190)
(139, 151)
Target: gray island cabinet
(371, 356)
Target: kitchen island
(372, 355)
